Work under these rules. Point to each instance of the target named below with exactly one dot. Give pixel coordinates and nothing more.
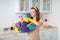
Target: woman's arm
(40, 23)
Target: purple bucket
(24, 29)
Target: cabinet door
(36, 3)
(21, 5)
(24, 5)
(45, 5)
(49, 34)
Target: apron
(34, 34)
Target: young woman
(34, 35)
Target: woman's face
(33, 12)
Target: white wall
(8, 10)
(54, 17)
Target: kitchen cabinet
(49, 34)
(43, 5)
(25, 5)
(13, 37)
(46, 6)
(45, 34)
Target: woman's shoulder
(40, 20)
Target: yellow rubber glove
(16, 30)
(31, 20)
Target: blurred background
(12, 10)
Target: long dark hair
(38, 13)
